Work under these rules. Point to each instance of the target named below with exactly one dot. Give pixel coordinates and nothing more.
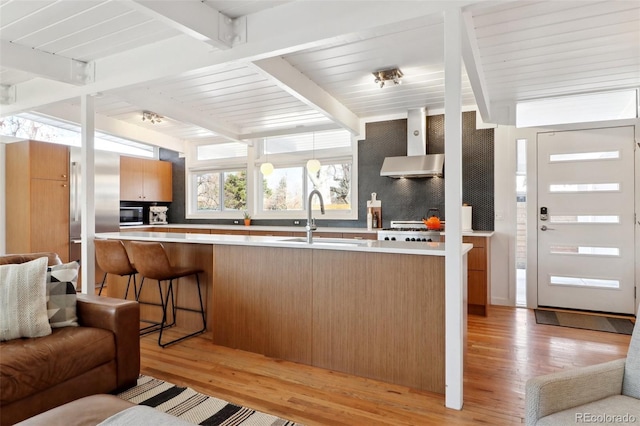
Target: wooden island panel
(380, 316)
(262, 300)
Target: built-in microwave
(131, 216)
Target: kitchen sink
(328, 241)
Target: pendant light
(266, 168)
(313, 165)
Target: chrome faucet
(311, 222)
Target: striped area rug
(195, 407)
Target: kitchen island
(370, 308)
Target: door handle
(545, 228)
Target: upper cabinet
(48, 160)
(145, 180)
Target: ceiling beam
(167, 108)
(7, 94)
(272, 32)
(71, 113)
(45, 64)
(292, 81)
(473, 64)
(291, 131)
(197, 20)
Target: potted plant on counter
(247, 218)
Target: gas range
(408, 230)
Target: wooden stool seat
(152, 262)
(112, 258)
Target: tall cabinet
(37, 197)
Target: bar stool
(112, 258)
(152, 262)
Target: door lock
(543, 213)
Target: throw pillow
(23, 300)
(61, 295)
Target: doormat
(194, 407)
(584, 321)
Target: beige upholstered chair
(607, 393)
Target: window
(224, 177)
(283, 189)
(32, 126)
(284, 192)
(334, 183)
(221, 191)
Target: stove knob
(407, 239)
(424, 239)
(413, 239)
(393, 238)
(430, 240)
(386, 238)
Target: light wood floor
(503, 351)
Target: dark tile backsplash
(402, 199)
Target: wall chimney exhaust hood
(416, 163)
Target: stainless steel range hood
(413, 166)
(416, 164)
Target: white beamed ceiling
(301, 65)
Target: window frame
(252, 162)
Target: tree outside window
(334, 183)
(233, 197)
(282, 189)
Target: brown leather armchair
(101, 355)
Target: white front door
(586, 256)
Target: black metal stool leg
(135, 288)
(155, 326)
(174, 308)
(126, 292)
(102, 284)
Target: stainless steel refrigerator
(107, 198)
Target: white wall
(504, 239)
(503, 278)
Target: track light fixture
(152, 117)
(393, 74)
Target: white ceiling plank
(168, 108)
(44, 64)
(195, 19)
(623, 43)
(301, 87)
(473, 64)
(71, 113)
(581, 11)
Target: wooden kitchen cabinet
(271, 233)
(360, 235)
(146, 180)
(478, 273)
(230, 231)
(37, 191)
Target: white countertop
(373, 246)
(282, 229)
